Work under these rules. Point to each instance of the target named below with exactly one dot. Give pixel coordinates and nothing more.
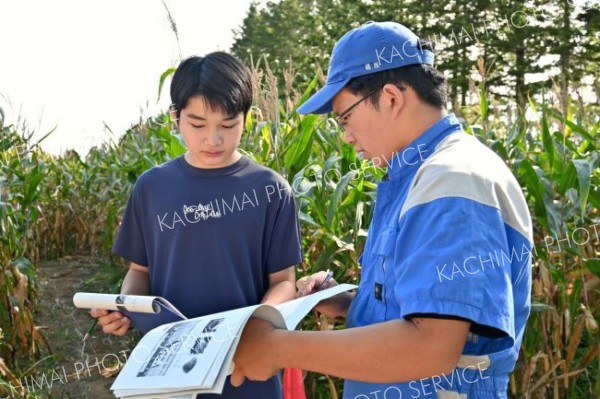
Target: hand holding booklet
(190, 356)
(145, 312)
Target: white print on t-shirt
(194, 213)
(219, 207)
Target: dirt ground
(74, 369)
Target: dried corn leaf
(332, 389)
(38, 339)
(8, 374)
(590, 321)
(574, 342)
(21, 289)
(545, 379)
(591, 354)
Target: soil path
(74, 370)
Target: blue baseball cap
(370, 48)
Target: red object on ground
(293, 384)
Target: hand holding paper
(335, 306)
(195, 356)
(142, 311)
(254, 347)
(111, 322)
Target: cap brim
(320, 102)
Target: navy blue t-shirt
(210, 238)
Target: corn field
(54, 206)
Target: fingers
(98, 312)
(310, 284)
(327, 307)
(237, 378)
(124, 328)
(305, 289)
(328, 284)
(112, 322)
(306, 285)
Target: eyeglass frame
(340, 118)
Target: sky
(77, 65)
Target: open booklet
(193, 356)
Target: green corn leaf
(299, 150)
(334, 202)
(307, 93)
(325, 257)
(163, 77)
(547, 139)
(584, 176)
(306, 218)
(483, 105)
(45, 136)
(581, 131)
(593, 265)
(568, 179)
(32, 190)
(534, 186)
(538, 307)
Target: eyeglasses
(341, 119)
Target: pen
(328, 277)
(95, 323)
(91, 330)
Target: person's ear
(173, 115)
(394, 98)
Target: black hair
(219, 78)
(428, 83)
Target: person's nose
(348, 137)
(214, 137)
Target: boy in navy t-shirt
(211, 230)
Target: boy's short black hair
(220, 78)
(429, 83)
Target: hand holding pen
(111, 322)
(323, 284)
(316, 282)
(336, 306)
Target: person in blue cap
(445, 282)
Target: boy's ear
(173, 115)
